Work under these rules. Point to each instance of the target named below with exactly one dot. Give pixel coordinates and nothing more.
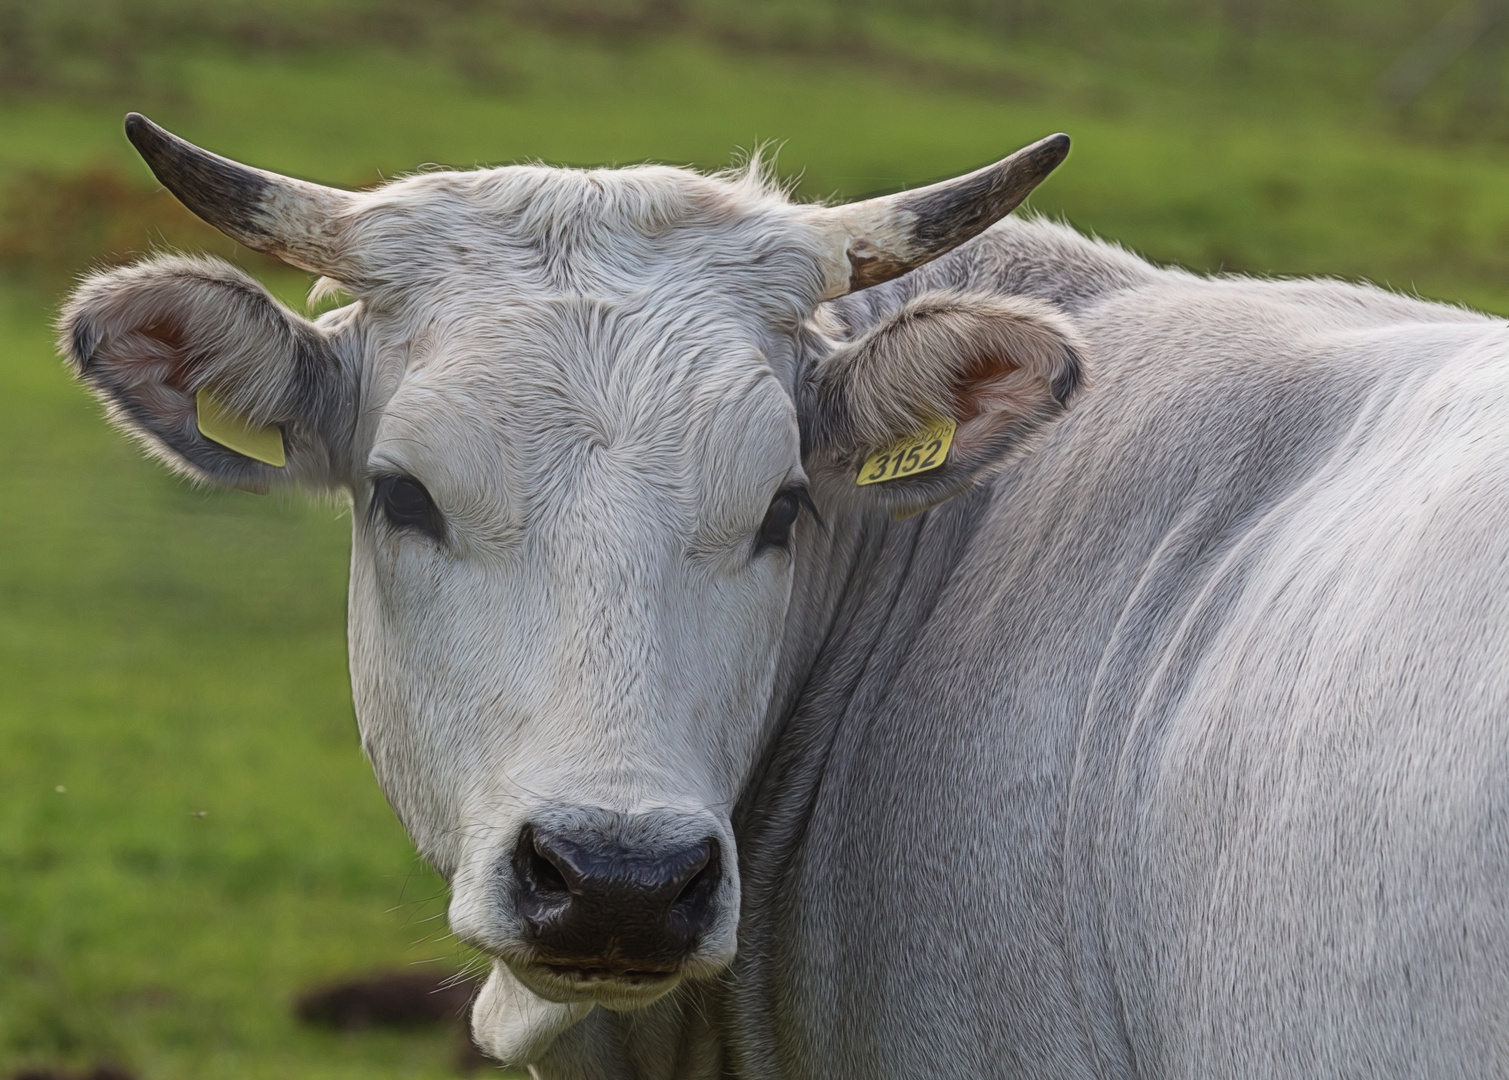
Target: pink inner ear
(985, 386)
(995, 393)
(153, 364)
(170, 348)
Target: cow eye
(407, 505)
(775, 530)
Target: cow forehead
(621, 363)
(532, 327)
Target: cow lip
(589, 974)
(613, 987)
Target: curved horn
(888, 236)
(292, 220)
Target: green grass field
(188, 832)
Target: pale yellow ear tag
(920, 452)
(219, 423)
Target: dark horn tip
(223, 193)
(1056, 146)
(142, 132)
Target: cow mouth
(615, 985)
(597, 973)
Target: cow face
(581, 417)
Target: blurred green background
(188, 832)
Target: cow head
(588, 421)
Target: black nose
(591, 904)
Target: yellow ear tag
(920, 452)
(219, 423)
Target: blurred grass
(166, 650)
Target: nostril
(547, 876)
(535, 867)
(701, 885)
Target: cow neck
(859, 603)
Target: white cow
(1160, 738)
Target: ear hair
(184, 321)
(147, 337)
(950, 355)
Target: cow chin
(514, 1025)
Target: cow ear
(981, 376)
(179, 347)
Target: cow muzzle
(615, 908)
(593, 908)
